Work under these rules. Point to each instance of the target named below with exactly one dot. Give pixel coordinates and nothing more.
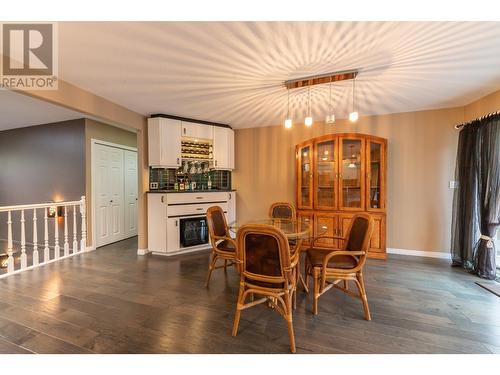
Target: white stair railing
(50, 211)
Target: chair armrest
(332, 255)
(223, 238)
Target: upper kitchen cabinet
(197, 131)
(164, 146)
(223, 146)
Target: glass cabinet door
(351, 178)
(325, 175)
(375, 154)
(304, 174)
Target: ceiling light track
(321, 79)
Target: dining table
(295, 230)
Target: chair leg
(289, 322)
(211, 268)
(225, 266)
(346, 285)
(315, 292)
(306, 274)
(239, 305)
(362, 292)
(294, 291)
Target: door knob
(111, 201)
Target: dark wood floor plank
(113, 301)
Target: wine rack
(191, 150)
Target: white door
(131, 185)
(109, 194)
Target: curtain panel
(476, 201)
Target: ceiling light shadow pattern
(233, 72)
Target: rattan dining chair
(282, 210)
(223, 246)
(328, 268)
(266, 272)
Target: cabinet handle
(199, 197)
(216, 163)
(229, 195)
(177, 161)
(199, 209)
(176, 223)
(162, 199)
(184, 130)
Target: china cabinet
(337, 176)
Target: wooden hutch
(339, 175)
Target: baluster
(10, 259)
(83, 243)
(36, 258)
(75, 238)
(24, 258)
(57, 249)
(46, 253)
(66, 243)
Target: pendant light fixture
(288, 120)
(353, 116)
(308, 121)
(330, 118)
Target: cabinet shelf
(333, 187)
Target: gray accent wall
(40, 164)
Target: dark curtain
(476, 202)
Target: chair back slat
(264, 253)
(359, 233)
(216, 220)
(282, 210)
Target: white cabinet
(223, 148)
(164, 142)
(173, 235)
(165, 212)
(157, 223)
(197, 131)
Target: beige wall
(483, 106)
(421, 162)
(103, 132)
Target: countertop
(187, 191)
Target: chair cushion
(316, 257)
(227, 246)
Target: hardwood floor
(113, 301)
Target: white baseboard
(420, 253)
(90, 248)
(142, 251)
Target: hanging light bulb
(288, 121)
(308, 121)
(330, 118)
(353, 116)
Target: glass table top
(298, 228)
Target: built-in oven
(193, 231)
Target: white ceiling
(233, 72)
(18, 111)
